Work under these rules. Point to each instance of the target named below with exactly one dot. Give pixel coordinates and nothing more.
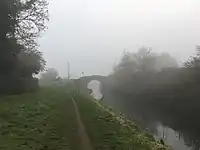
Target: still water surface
(171, 137)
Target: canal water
(170, 136)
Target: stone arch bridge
(82, 82)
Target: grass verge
(110, 132)
(38, 121)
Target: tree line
(154, 86)
(22, 22)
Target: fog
(92, 34)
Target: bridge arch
(82, 83)
(95, 87)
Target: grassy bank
(38, 121)
(46, 120)
(108, 131)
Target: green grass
(108, 131)
(38, 121)
(46, 120)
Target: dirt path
(85, 141)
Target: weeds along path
(85, 141)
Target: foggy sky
(92, 34)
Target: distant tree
(145, 60)
(128, 62)
(194, 62)
(59, 78)
(143, 51)
(165, 60)
(51, 75)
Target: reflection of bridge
(82, 82)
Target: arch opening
(96, 89)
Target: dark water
(171, 137)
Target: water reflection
(171, 137)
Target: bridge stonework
(82, 82)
